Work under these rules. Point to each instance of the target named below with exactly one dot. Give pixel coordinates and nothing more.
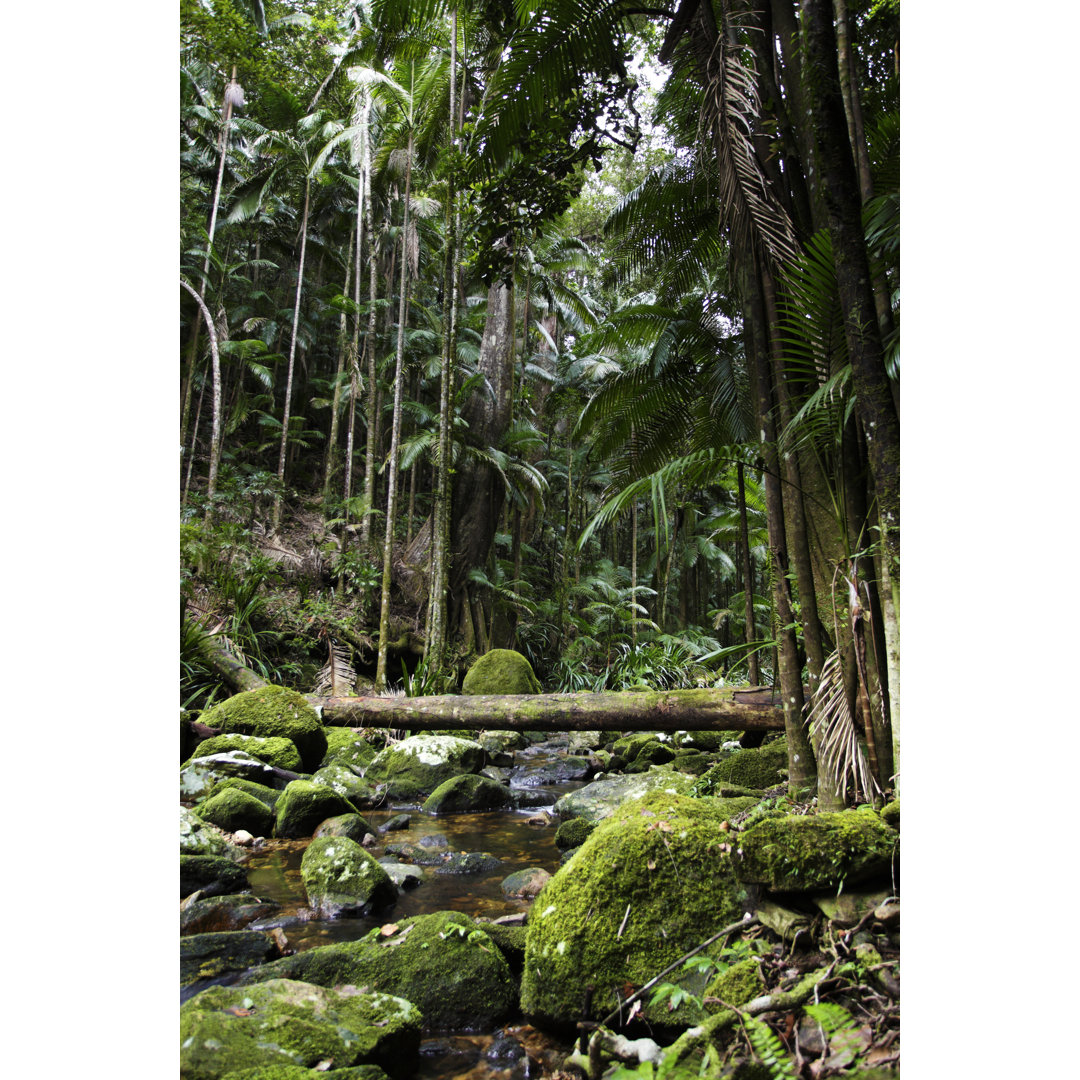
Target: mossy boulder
(218, 914)
(693, 762)
(890, 814)
(413, 768)
(305, 805)
(816, 852)
(274, 751)
(525, 884)
(467, 794)
(232, 809)
(340, 777)
(342, 879)
(353, 826)
(282, 1022)
(502, 742)
(652, 753)
(267, 795)
(345, 747)
(602, 798)
(629, 746)
(213, 875)
(444, 963)
(649, 884)
(740, 983)
(273, 711)
(199, 837)
(199, 774)
(501, 671)
(208, 956)
(573, 833)
(762, 768)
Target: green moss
(341, 878)
(354, 826)
(413, 768)
(267, 795)
(816, 852)
(742, 982)
(573, 833)
(304, 805)
(764, 767)
(275, 750)
(445, 963)
(501, 671)
(206, 956)
(629, 746)
(890, 814)
(345, 747)
(467, 794)
(273, 711)
(227, 1029)
(232, 809)
(648, 885)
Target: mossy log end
(725, 709)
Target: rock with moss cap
(342, 879)
(354, 826)
(212, 875)
(274, 751)
(444, 963)
(218, 914)
(573, 833)
(267, 795)
(199, 837)
(650, 883)
(358, 790)
(817, 851)
(467, 794)
(305, 805)
(740, 983)
(199, 775)
(413, 768)
(890, 814)
(209, 956)
(501, 671)
(345, 747)
(602, 798)
(232, 809)
(758, 769)
(273, 711)
(282, 1022)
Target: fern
(769, 1050)
(831, 1017)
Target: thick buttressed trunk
(478, 489)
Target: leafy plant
(768, 1049)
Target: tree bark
(215, 437)
(748, 581)
(231, 672)
(726, 709)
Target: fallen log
(726, 709)
(227, 668)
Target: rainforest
(539, 535)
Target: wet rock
(218, 914)
(199, 774)
(265, 794)
(403, 875)
(504, 1051)
(848, 908)
(421, 856)
(273, 711)
(502, 742)
(413, 768)
(501, 671)
(397, 822)
(232, 809)
(443, 963)
(525, 884)
(305, 805)
(602, 798)
(345, 747)
(283, 1022)
(531, 798)
(342, 879)
(208, 956)
(273, 751)
(573, 833)
(467, 794)
(651, 882)
(469, 862)
(816, 852)
(433, 841)
(212, 875)
(359, 791)
(553, 772)
(353, 826)
(199, 837)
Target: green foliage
(769, 1050)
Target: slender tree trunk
(748, 581)
(331, 449)
(633, 568)
(215, 436)
(276, 516)
(395, 433)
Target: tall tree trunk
(395, 432)
(748, 582)
(276, 517)
(343, 348)
(215, 436)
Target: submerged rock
(342, 879)
(501, 671)
(218, 914)
(273, 711)
(468, 862)
(413, 768)
(284, 1022)
(467, 794)
(212, 875)
(304, 805)
(444, 963)
(650, 883)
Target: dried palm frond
(836, 734)
(337, 677)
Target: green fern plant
(769, 1050)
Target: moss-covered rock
(469, 862)
(353, 826)
(359, 791)
(890, 814)
(213, 875)
(444, 963)
(762, 768)
(199, 837)
(742, 982)
(710, 741)
(342, 879)
(816, 852)
(267, 795)
(273, 711)
(304, 805)
(650, 883)
(573, 833)
(601, 798)
(629, 746)
(298, 1072)
(525, 884)
(413, 768)
(274, 751)
(208, 956)
(199, 774)
(693, 762)
(652, 753)
(282, 1022)
(345, 747)
(219, 914)
(467, 794)
(502, 742)
(501, 671)
(232, 809)
(511, 943)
